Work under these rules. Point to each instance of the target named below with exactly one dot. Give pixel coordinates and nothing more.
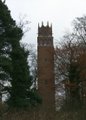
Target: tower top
(45, 30)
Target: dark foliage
(15, 78)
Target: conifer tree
(13, 63)
(5, 47)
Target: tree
(64, 68)
(14, 64)
(5, 46)
(70, 68)
(70, 72)
(79, 30)
(33, 63)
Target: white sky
(58, 12)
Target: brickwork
(46, 67)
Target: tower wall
(46, 68)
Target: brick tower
(46, 70)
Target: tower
(46, 69)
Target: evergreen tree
(5, 47)
(13, 62)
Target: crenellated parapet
(45, 30)
(45, 35)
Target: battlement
(45, 30)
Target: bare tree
(33, 63)
(70, 72)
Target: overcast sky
(58, 12)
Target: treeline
(15, 79)
(70, 67)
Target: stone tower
(46, 85)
